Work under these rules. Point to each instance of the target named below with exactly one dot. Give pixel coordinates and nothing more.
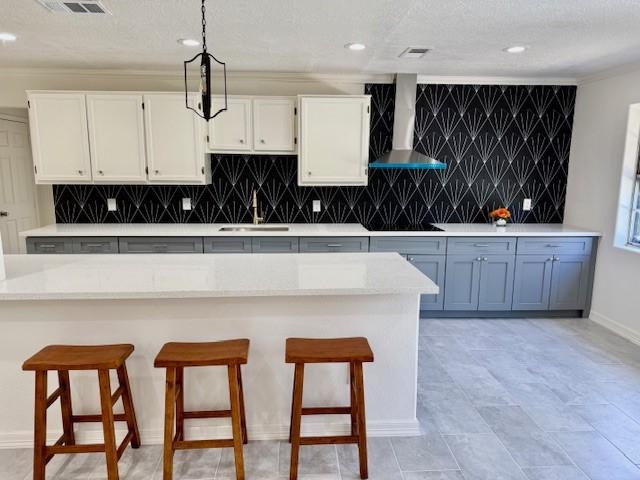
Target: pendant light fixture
(204, 107)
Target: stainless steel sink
(254, 229)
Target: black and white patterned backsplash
(502, 144)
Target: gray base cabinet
(160, 244)
(462, 282)
(334, 244)
(496, 282)
(46, 245)
(433, 266)
(532, 283)
(275, 244)
(227, 244)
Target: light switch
(112, 206)
(526, 204)
(316, 206)
(186, 203)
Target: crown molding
(609, 73)
(287, 77)
(495, 80)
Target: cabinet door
(496, 282)
(569, 282)
(275, 244)
(433, 267)
(532, 282)
(334, 140)
(116, 135)
(231, 129)
(175, 140)
(462, 282)
(273, 124)
(59, 137)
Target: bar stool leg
(40, 426)
(110, 448)
(354, 402)
(362, 427)
(296, 418)
(234, 397)
(180, 403)
(169, 419)
(127, 402)
(243, 416)
(65, 407)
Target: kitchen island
(148, 300)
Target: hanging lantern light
(206, 58)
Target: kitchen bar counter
(148, 300)
(87, 277)
(304, 230)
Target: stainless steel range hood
(402, 154)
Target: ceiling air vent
(415, 52)
(80, 6)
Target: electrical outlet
(112, 206)
(186, 203)
(526, 204)
(316, 206)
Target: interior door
(18, 210)
(116, 134)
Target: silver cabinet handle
(159, 245)
(550, 259)
(550, 245)
(241, 140)
(481, 245)
(262, 140)
(46, 245)
(94, 245)
(80, 172)
(309, 173)
(485, 259)
(100, 172)
(479, 259)
(410, 259)
(556, 259)
(334, 245)
(4, 214)
(157, 172)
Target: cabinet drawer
(544, 245)
(275, 244)
(160, 244)
(410, 245)
(337, 244)
(40, 245)
(227, 245)
(95, 245)
(481, 245)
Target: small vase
(501, 222)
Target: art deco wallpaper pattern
(501, 143)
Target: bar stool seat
(63, 358)
(79, 357)
(175, 357)
(328, 350)
(226, 352)
(354, 351)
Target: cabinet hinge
(368, 109)
(295, 140)
(143, 105)
(202, 170)
(35, 168)
(295, 110)
(146, 170)
(207, 138)
(28, 104)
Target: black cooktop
(383, 227)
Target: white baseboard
(615, 327)
(24, 439)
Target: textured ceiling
(568, 38)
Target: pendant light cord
(204, 27)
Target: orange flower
(500, 213)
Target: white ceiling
(568, 38)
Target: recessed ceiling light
(355, 46)
(188, 42)
(516, 49)
(7, 37)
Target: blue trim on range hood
(407, 159)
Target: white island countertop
(88, 277)
(304, 230)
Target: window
(634, 227)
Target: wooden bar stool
(64, 358)
(353, 351)
(175, 357)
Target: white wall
(595, 169)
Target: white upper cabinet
(59, 137)
(231, 129)
(334, 140)
(175, 140)
(116, 136)
(273, 124)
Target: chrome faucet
(256, 219)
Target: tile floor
(542, 399)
